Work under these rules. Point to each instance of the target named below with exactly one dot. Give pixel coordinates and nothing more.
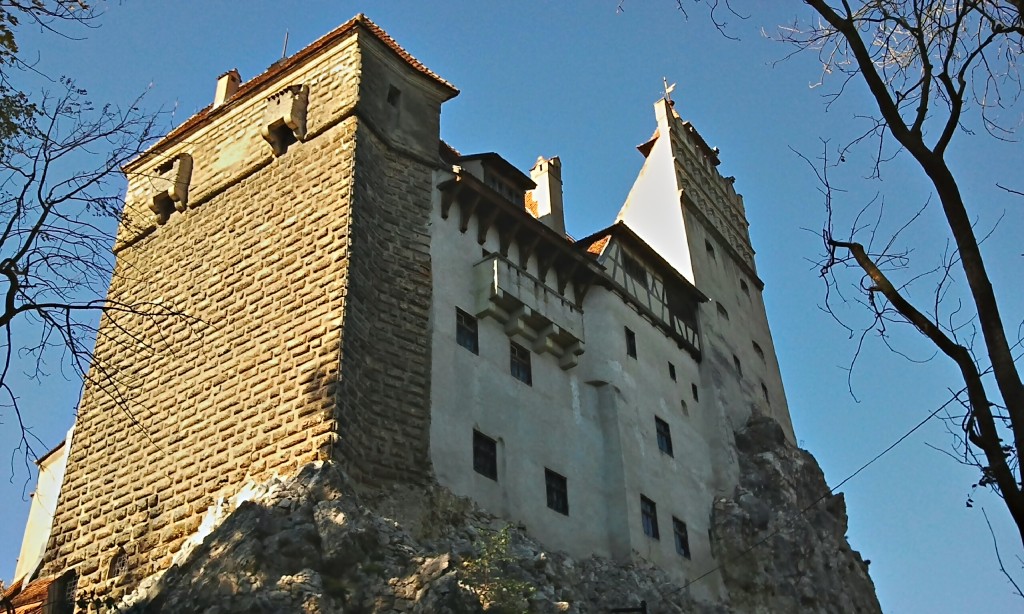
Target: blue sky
(579, 81)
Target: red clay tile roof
(30, 599)
(598, 246)
(283, 66)
(531, 205)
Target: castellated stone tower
(289, 222)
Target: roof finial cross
(668, 89)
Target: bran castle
(356, 290)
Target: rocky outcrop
(317, 543)
(781, 537)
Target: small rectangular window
(557, 490)
(739, 366)
(485, 455)
(634, 269)
(693, 391)
(649, 517)
(686, 409)
(681, 536)
(630, 343)
(519, 363)
(466, 331)
(758, 350)
(672, 371)
(664, 435)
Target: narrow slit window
(764, 393)
(630, 343)
(672, 371)
(744, 287)
(722, 311)
(693, 391)
(738, 365)
(710, 249)
(758, 350)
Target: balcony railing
(530, 308)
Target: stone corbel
(171, 187)
(284, 121)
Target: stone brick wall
(384, 398)
(303, 287)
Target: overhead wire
(829, 493)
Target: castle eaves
(282, 67)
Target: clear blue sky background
(578, 80)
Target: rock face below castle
(315, 543)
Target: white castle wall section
(594, 423)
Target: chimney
(227, 85)
(547, 196)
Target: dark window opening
(118, 565)
(681, 536)
(672, 371)
(67, 596)
(758, 350)
(519, 363)
(163, 207)
(709, 248)
(736, 363)
(394, 96)
(722, 312)
(744, 287)
(634, 269)
(664, 435)
(557, 490)
(764, 393)
(630, 343)
(281, 136)
(693, 391)
(485, 455)
(466, 331)
(649, 517)
(686, 410)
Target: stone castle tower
(349, 288)
(288, 221)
